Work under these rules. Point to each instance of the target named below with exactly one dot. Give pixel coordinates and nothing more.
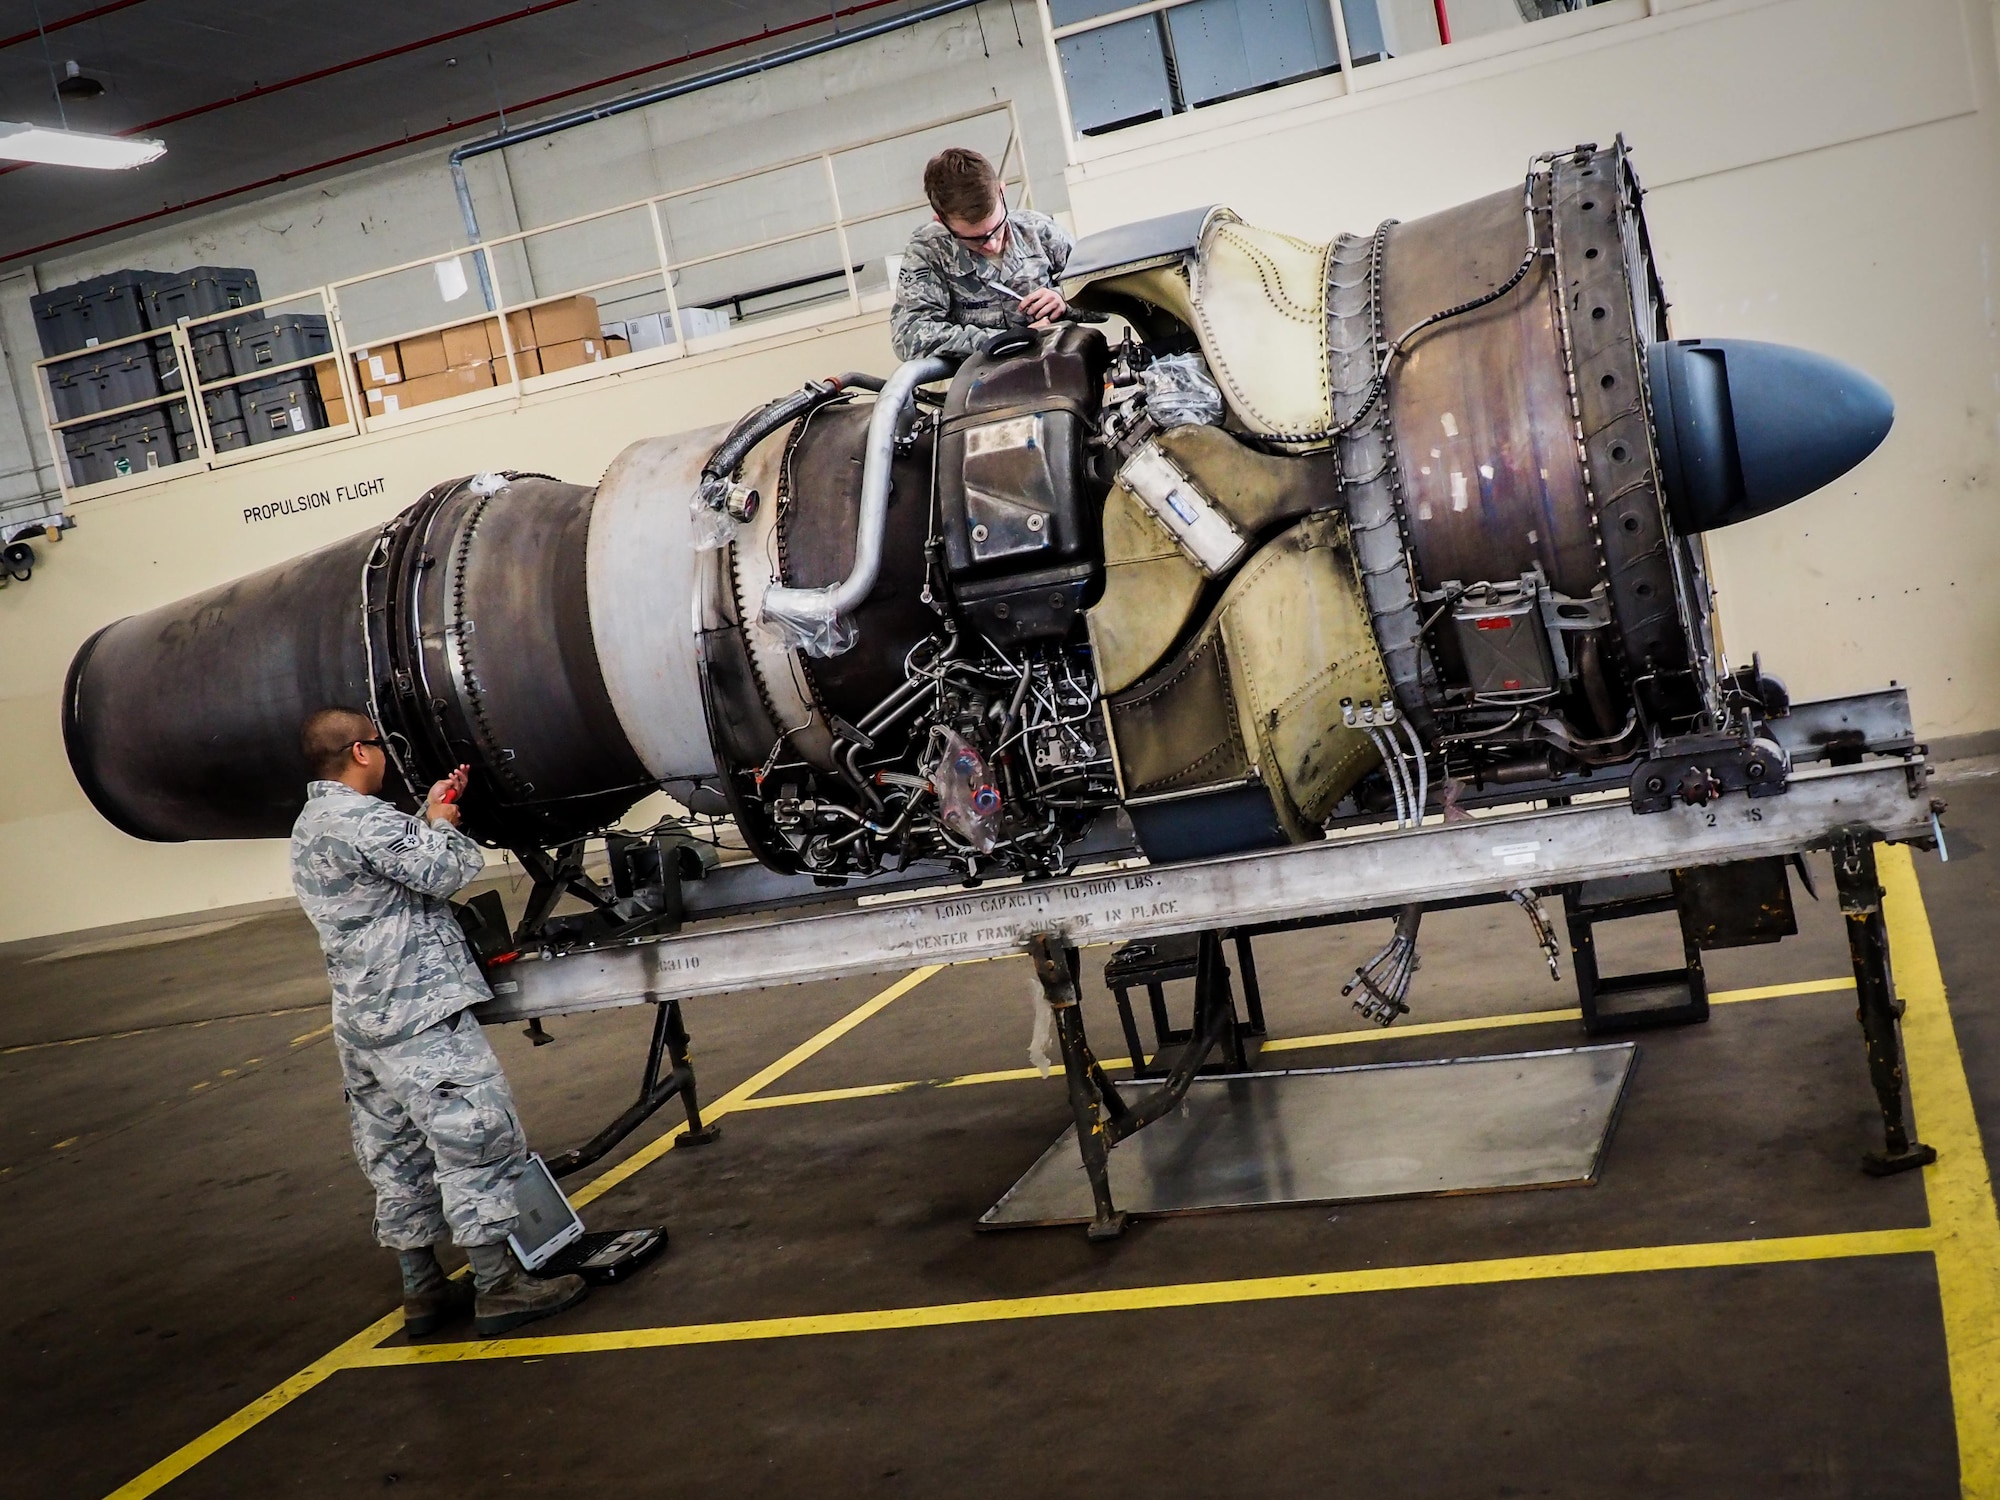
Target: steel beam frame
(1875, 801)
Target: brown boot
(426, 1311)
(519, 1298)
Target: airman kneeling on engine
(979, 267)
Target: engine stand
(1880, 1011)
(1104, 1117)
(670, 1040)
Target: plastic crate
(126, 445)
(259, 343)
(103, 382)
(211, 357)
(199, 293)
(282, 407)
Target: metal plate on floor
(1337, 1135)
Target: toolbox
(199, 293)
(282, 407)
(259, 343)
(85, 314)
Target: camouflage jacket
(950, 300)
(373, 881)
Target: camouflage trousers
(436, 1132)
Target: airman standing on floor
(433, 1118)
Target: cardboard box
(465, 344)
(425, 389)
(375, 368)
(422, 355)
(615, 346)
(565, 320)
(327, 374)
(570, 354)
(520, 326)
(336, 410)
(531, 364)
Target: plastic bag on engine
(710, 526)
(1180, 392)
(968, 802)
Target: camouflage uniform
(433, 1119)
(950, 299)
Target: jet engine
(1292, 533)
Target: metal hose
(811, 617)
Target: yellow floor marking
(351, 1354)
(65, 1145)
(313, 1035)
(1959, 1187)
(119, 1036)
(604, 1182)
(182, 1459)
(1283, 1044)
(1186, 1294)
(871, 1090)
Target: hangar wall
(1820, 173)
(354, 223)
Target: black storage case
(211, 357)
(258, 343)
(130, 444)
(225, 405)
(228, 437)
(102, 382)
(199, 293)
(85, 314)
(281, 407)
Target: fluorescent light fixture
(73, 148)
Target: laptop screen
(546, 1222)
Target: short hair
(328, 734)
(961, 185)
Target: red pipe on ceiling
(1444, 21)
(66, 22)
(422, 135)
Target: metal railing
(507, 264)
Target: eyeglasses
(376, 743)
(976, 240)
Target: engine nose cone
(1746, 427)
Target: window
(1188, 55)
(1185, 54)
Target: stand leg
(1253, 997)
(1868, 943)
(1212, 993)
(670, 1021)
(1134, 1048)
(1054, 966)
(670, 1040)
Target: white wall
(380, 216)
(1821, 172)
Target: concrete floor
(183, 1230)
